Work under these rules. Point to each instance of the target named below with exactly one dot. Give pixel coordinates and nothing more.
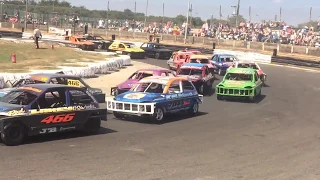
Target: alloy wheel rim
(195, 107)
(159, 114)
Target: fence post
(262, 46)
(175, 38)
(248, 44)
(307, 50)
(291, 48)
(234, 43)
(278, 47)
(203, 40)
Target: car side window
(175, 87)
(50, 99)
(186, 85)
(214, 58)
(144, 45)
(79, 98)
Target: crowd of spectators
(273, 32)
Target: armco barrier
(102, 67)
(246, 56)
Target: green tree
(312, 23)
(233, 19)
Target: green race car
(240, 82)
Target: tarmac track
(275, 138)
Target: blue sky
(293, 11)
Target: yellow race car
(128, 49)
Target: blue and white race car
(156, 96)
(222, 62)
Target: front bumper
(130, 108)
(236, 92)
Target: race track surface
(276, 138)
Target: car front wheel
(157, 56)
(158, 116)
(13, 134)
(194, 109)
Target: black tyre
(253, 98)
(100, 46)
(118, 115)
(92, 126)
(13, 134)
(194, 109)
(201, 89)
(158, 116)
(157, 56)
(219, 97)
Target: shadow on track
(169, 118)
(64, 136)
(242, 100)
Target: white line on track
(293, 67)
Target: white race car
(250, 64)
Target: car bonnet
(137, 97)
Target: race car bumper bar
(130, 108)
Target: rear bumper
(235, 92)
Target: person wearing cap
(37, 34)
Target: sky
(293, 11)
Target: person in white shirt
(37, 34)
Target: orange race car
(79, 42)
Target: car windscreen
(242, 65)
(130, 45)
(190, 72)
(23, 82)
(140, 75)
(18, 97)
(204, 61)
(227, 59)
(149, 87)
(238, 77)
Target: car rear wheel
(100, 46)
(201, 89)
(158, 116)
(118, 115)
(13, 134)
(157, 56)
(219, 97)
